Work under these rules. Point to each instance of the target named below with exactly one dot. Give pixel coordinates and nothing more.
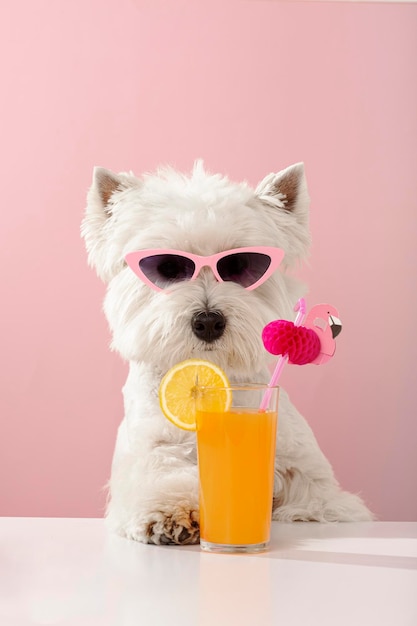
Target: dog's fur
(153, 487)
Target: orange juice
(236, 453)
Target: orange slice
(178, 390)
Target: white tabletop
(72, 572)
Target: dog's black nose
(208, 325)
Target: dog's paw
(180, 527)
(159, 528)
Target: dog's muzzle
(208, 325)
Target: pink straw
(300, 308)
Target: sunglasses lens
(244, 268)
(164, 269)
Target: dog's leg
(153, 490)
(305, 487)
(301, 497)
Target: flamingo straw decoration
(312, 343)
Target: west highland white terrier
(170, 309)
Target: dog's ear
(286, 200)
(286, 190)
(104, 185)
(102, 200)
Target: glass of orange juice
(236, 453)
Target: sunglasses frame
(133, 258)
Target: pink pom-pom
(300, 344)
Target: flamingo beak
(335, 325)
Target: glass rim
(238, 387)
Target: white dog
(153, 487)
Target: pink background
(251, 87)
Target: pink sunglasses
(248, 267)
